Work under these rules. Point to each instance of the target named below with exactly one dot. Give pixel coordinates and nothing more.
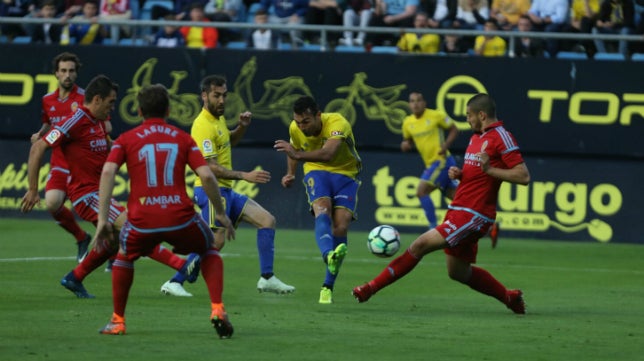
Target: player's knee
(53, 205)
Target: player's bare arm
(454, 172)
(451, 137)
(324, 154)
(210, 186)
(518, 174)
(238, 133)
(283, 146)
(44, 129)
(406, 145)
(32, 197)
(104, 236)
(254, 176)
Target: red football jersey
(156, 155)
(477, 190)
(84, 145)
(55, 110)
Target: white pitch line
(377, 260)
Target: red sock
(394, 271)
(122, 278)
(212, 269)
(66, 219)
(92, 261)
(485, 283)
(163, 255)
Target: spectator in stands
(615, 17)
(550, 16)
(14, 8)
(85, 34)
(181, 10)
(287, 12)
(357, 13)
(453, 44)
(441, 13)
(73, 8)
(471, 14)
(638, 47)
(116, 10)
(263, 39)
(525, 47)
(324, 12)
(225, 11)
(394, 14)
(169, 36)
(199, 37)
(507, 12)
(582, 20)
(490, 45)
(48, 33)
(419, 43)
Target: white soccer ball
(383, 241)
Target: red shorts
(462, 230)
(87, 208)
(193, 236)
(57, 179)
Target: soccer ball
(383, 241)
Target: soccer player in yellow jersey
(325, 143)
(425, 129)
(215, 140)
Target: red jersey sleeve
(195, 158)
(117, 153)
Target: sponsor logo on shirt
(163, 200)
(207, 146)
(53, 136)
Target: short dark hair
(100, 85)
(212, 80)
(66, 56)
(305, 105)
(483, 102)
(153, 101)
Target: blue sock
(323, 235)
(430, 211)
(329, 280)
(266, 249)
(178, 277)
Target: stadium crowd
(625, 17)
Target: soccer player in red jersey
(491, 158)
(84, 144)
(57, 106)
(159, 209)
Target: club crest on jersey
(74, 107)
(483, 146)
(53, 136)
(207, 146)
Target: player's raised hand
(244, 118)
(29, 201)
(288, 180)
(284, 146)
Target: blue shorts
(342, 190)
(234, 204)
(437, 174)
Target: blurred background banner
(554, 107)
(568, 199)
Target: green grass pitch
(584, 303)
